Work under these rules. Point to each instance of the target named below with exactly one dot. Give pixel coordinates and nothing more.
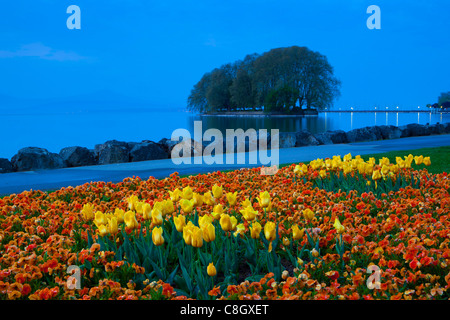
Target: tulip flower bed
(311, 231)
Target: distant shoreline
(263, 114)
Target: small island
(283, 81)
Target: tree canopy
(280, 80)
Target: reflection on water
(315, 124)
(56, 131)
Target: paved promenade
(54, 179)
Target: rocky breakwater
(113, 151)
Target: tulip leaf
(159, 273)
(187, 278)
(171, 277)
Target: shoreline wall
(113, 151)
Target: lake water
(56, 131)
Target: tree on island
(280, 80)
(443, 101)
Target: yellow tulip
(217, 211)
(255, 230)
(225, 222)
(418, 159)
(348, 157)
(88, 211)
(231, 198)
(186, 205)
(300, 170)
(384, 161)
(130, 220)
(157, 236)
(376, 175)
(297, 233)
(384, 170)
(197, 199)
(146, 211)
(180, 222)
(208, 199)
(264, 199)
(197, 237)
(394, 168)
(138, 206)
(100, 218)
(205, 219)
(240, 229)
(427, 161)
(217, 191)
(119, 214)
(175, 194)
(286, 241)
(211, 270)
(361, 167)
(168, 207)
(234, 223)
(187, 233)
(157, 218)
(187, 193)
(103, 230)
(338, 226)
(249, 213)
(270, 231)
(246, 203)
(113, 227)
(209, 232)
(322, 174)
(132, 200)
(308, 214)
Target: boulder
(338, 136)
(285, 139)
(6, 166)
(167, 145)
(361, 134)
(389, 132)
(34, 158)
(240, 141)
(323, 138)
(147, 150)
(77, 156)
(437, 128)
(404, 131)
(305, 138)
(185, 148)
(112, 151)
(446, 127)
(416, 130)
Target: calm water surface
(56, 131)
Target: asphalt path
(17, 182)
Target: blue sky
(156, 51)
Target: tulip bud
(255, 230)
(211, 270)
(209, 232)
(157, 237)
(187, 193)
(231, 198)
(217, 191)
(180, 222)
(225, 222)
(270, 231)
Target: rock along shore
(113, 151)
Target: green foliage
(281, 80)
